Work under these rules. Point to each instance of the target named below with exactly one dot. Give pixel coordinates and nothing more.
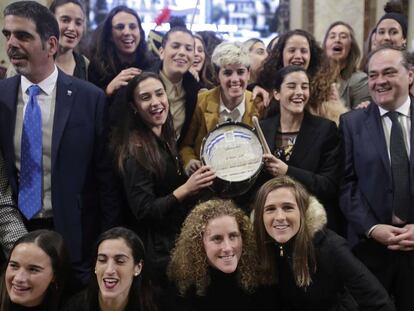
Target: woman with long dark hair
(302, 145)
(37, 273)
(120, 50)
(158, 192)
(119, 281)
(298, 47)
(71, 18)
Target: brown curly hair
(188, 267)
(274, 60)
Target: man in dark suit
(378, 187)
(53, 137)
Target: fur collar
(315, 216)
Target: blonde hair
(188, 267)
(228, 53)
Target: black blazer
(314, 161)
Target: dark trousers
(394, 269)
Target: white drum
(235, 153)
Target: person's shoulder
(269, 121)
(79, 84)
(7, 82)
(360, 114)
(357, 77)
(319, 122)
(329, 239)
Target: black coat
(158, 212)
(341, 281)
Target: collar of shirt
(47, 85)
(169, 86)
(240, 108)
(404, 109)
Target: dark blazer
(82, 199)
(367, 190)
(314, 161)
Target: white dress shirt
(46, 100)
(235, 115)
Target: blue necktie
(30, 184)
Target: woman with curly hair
(298, 47)
(120, 50)
(213, 264)
(309, 266)
(342, 49)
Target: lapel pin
(69, 93)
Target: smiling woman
(303, 146)
(120, 281)
(228, 101)
(70, 15)
(120, 50)
(309, 266)
(213, 264)
(342, 49)
(37, 273)
(159, 194)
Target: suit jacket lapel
(307, 134)
(270, 128)
(376, 132)
(65, 94)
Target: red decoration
(164, 16)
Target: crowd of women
(278, 245)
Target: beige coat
(205, 118)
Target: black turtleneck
(224, 293)
(16, 307)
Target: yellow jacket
(206, 117)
